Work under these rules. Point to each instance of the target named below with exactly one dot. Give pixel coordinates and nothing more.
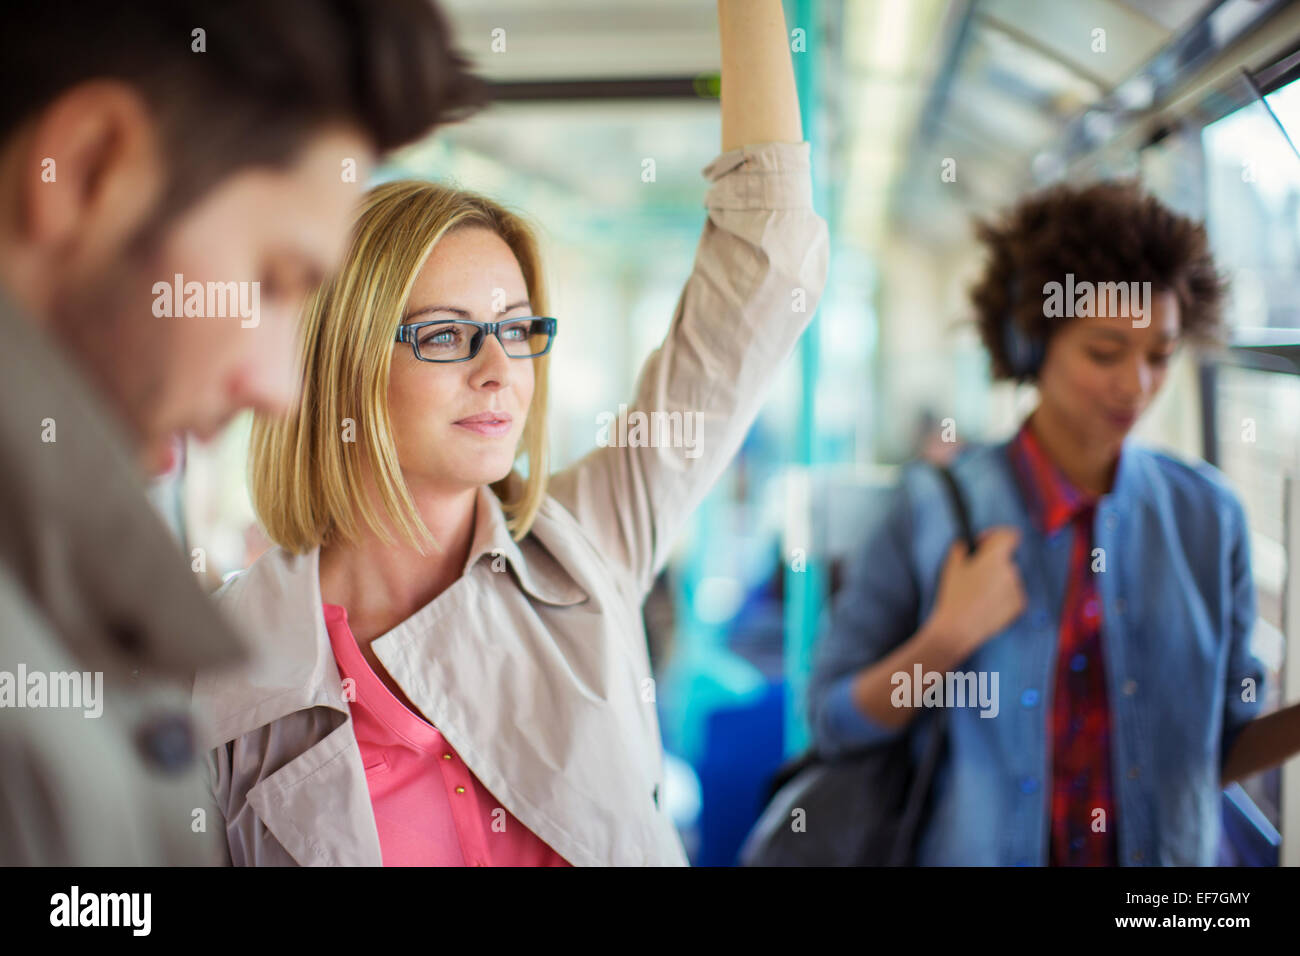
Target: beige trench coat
(534, 663)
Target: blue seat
(743, 747)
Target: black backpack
(864, 808)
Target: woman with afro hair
(1109, 601)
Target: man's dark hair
(272, 73)
(1105, 232)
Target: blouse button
(460, 789)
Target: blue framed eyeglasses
(459, 340)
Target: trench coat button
(166, 741)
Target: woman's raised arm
(759, 271)
(759, 101)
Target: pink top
(429, 808)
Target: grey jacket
(101, 627)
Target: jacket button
(1029, 697)
(1130, 687)
(1134, 773)
(655, 795)
(166, 741)
(127, 636)
(460, 789)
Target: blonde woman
(452, 667)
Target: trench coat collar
(544, 578)
(294, 669)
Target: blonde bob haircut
(307, 473)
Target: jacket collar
(293, 667)
(539, 573)
(78, 531)
(1131, 487)
(1051, 498)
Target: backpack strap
(958, 502)
(918, 794)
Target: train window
(1250, 172)
(1252, 179)
(1250, 403)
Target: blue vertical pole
(804, 588)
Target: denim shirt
(1178, 609)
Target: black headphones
(1024, 352)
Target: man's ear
(95, 170)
